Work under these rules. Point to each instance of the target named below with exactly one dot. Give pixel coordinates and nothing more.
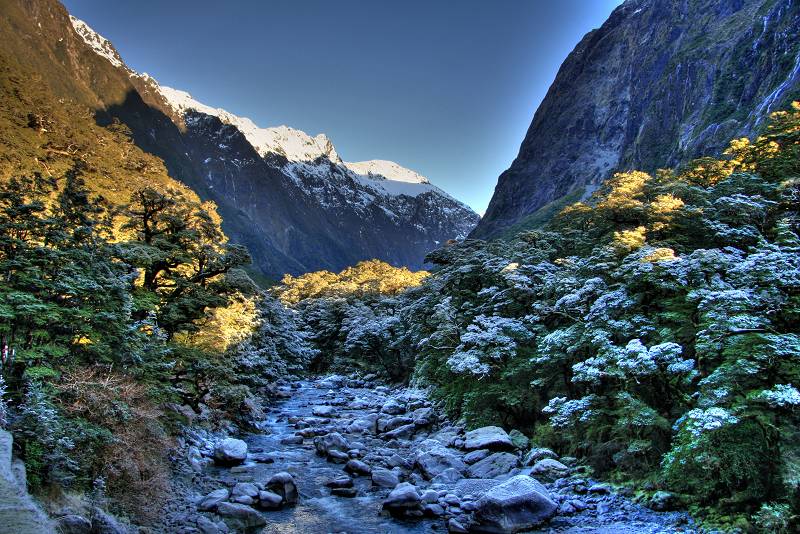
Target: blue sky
(445, 88)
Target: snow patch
(101, 46)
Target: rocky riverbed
(347, 455)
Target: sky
(446, 88)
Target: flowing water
(318, 511)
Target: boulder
(402, 499)
(393, 407)
(384, 478)
(423, 416)
(521, 503)
(331, 442)
(338, 457)
(210, 502)
(494, 465)
(244, 488)
(343, 482)
(243, 515)
(364, 425)
(549, 470)
(331, 382)
(538, 453)
(207, 526)
(283, 484)
(476, 456)
(385, 425)
(269, 500)
(358, 468)
(488, 437)
(520, 440)
(230, 451)
(403, 432)
(474, 486)
(324, 411)
(448, 476)
(436, 460)
(663, 501)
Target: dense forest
(651, 331)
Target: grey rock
(663, 501)
(549, 470)
(476, 456)
(520, 503)
(433, 510)
(269, 500)
(358, 468)
(244, 488)
(105, 523)
(448, 476)
(520, 440)
(402, 498)
(283, 484)
(243, 515)
(385, 425)
(343, 482)
(393, 407)
(494, 465)
(403, 432)
(338, 457)
(330, 442)
(538, 453)
(324, 411)
(209, 502)
(474, 486)
(423, 416)
(230, 451)
(455, 527)
(384, 478)
(600, 488)
(488, 437)
(436, 460)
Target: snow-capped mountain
(285, 194)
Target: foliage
(373, 277)
(651, 329)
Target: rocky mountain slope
(285, 195)
(661, 82)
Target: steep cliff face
(661, 82)
(286, 195)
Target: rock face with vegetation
(660, 83)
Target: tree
(181, 250)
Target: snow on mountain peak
(388, 170)
(295, 145)
(97, 42)
(381, 176)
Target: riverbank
(367, 458)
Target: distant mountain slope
(661, 82)
(286, 195)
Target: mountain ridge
(294, 203)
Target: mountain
(286, 195)
(660, 83)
